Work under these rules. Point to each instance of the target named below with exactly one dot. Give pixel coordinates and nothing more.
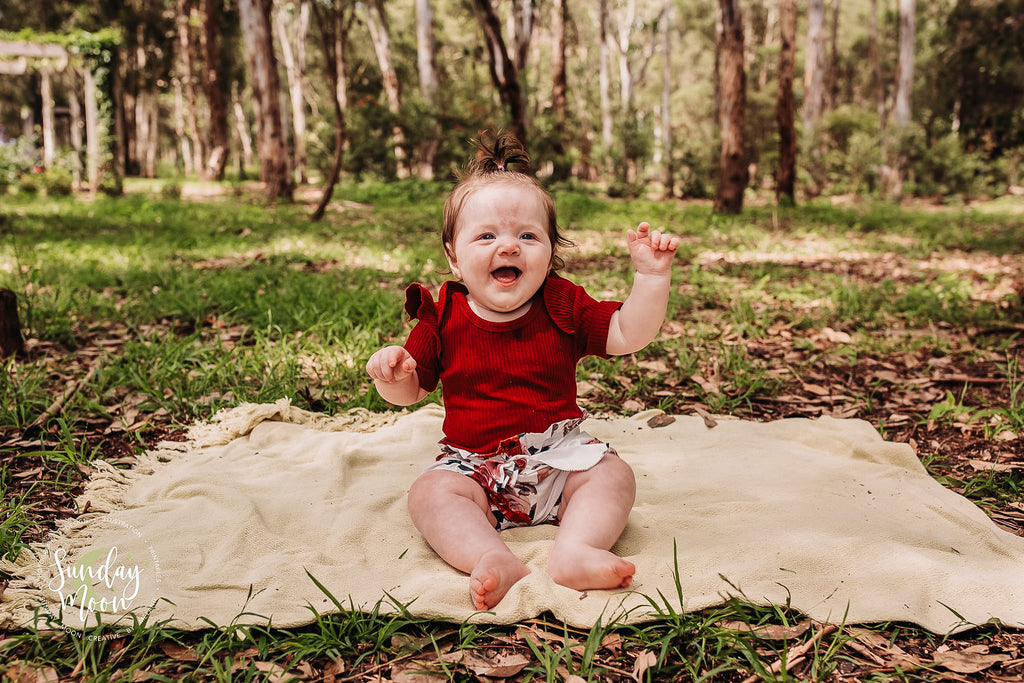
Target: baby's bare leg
(594, 510)
(452, 513)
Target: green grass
(186, 307)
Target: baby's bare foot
(585, 568)
(493, 575)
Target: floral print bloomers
(525, 476)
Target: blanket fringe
(32, 570)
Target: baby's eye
(486, 236)
(529, 236)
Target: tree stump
(11, 341)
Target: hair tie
(501, 167)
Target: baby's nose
(508, 245)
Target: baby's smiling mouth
(506, 275)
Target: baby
(504, 343)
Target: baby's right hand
(391, 364)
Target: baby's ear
(453, 263)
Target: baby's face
(502, 251)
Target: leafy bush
(57, 181)
(945, 168)
(848, 151)
(17, 158)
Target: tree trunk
(334, 29)
(895, 164)
(833, 65)
(147, 123)
(785, 114)
(266, 88)
(605, 79)
(733, 174)
(426, 65)
(245, 159)
(49, 134)
(559, 89)
(75, 107)
(504, 74)
(213, 88)
(179, 129)
(92, 138)
(187, 84)
(522, 22)
(876, 66)
(668, 178)
(814, 66)
(11, 341)
(377, 22)
(295, 68)
(905, 65)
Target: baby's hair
(499, 155)
(500, 158)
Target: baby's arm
(393, 371)
(635, 325)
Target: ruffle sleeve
(424, 342)
(419, 304)
(577, 313)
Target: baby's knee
(437, 485)
(619, 469)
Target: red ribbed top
(502, 379)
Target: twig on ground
(795, 655)
(57, 406)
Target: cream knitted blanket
(243, 521)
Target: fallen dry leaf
(414, 671)
(660, 421)
(709, 421)
(970, 660)
(986, 466)
(179, 652)
(644, 661)
(768, 631)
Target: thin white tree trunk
(668, 179)
(92, 138)
(190, 128)
(814, 65)
(75, 106)
(605, 79)
(293, 49)
(179, 129)
(905, 65)
(426, 65)
(241, 127)
(49, 136)
(376, 22)
(895, 166)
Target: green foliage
(945, 168)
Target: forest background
(675, 97)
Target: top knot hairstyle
(502, 154)
(500, 158)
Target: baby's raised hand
(652, 251)
(391, 364)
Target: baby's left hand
(652, 252)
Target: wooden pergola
(17, 58)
